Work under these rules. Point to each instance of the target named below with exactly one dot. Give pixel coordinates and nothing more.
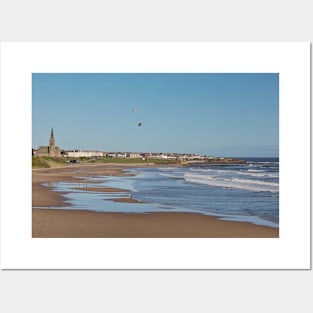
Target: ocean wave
(175, 175)
(260, 174)
(232, 182)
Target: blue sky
(210, 114)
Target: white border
(290, 251)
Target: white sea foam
(254, 179)
(232, 182)
(260, 174)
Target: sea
(246, 192)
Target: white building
(83, 153)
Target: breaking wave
(232, 182)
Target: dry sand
(58, 223)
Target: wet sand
(101, 189)
(127, 200)
(58, 223)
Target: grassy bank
(134, 160)
(47, 162)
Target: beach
(56, 222)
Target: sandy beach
(59, 223)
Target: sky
(213, 114)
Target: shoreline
(67, 223)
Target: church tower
(52, 150)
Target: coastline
(60, 223)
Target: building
(50, 150)
(83, 153)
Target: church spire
(52, 144)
